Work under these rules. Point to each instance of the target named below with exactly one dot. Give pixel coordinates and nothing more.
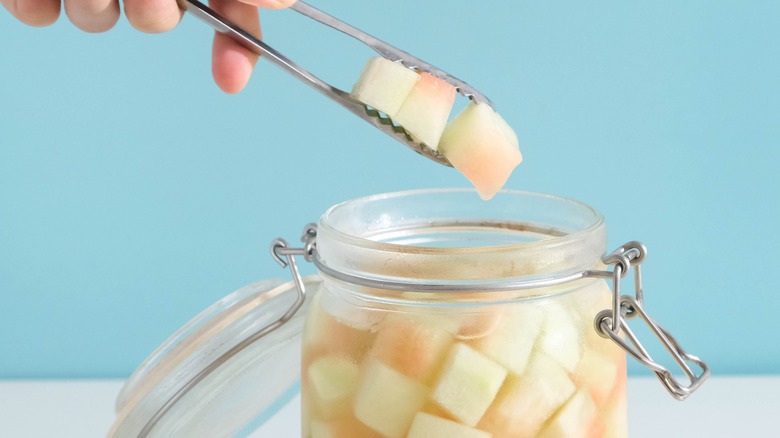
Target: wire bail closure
(285, 256)
(610, 322)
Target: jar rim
(448, 236)
(326, 220)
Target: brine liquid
(526, 369)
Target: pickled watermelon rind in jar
(451, 354)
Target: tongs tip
(390, 127)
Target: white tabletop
(723, 406)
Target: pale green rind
(430, 426)
(387, 401)
(468, 383)
(384, 85)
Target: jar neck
(451, 237)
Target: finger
(34, 12)
(153, 16)
(270, 4)
(92, 15)
(232, 63)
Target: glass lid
(218, 375)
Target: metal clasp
(612, 322)
(285, 256)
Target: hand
(232, 64)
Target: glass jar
(437, 312)
(433, 313)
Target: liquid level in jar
(535, 368)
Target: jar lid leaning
(216, 383)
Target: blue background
(133, 193)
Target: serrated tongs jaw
(371, 115)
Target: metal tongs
(370, 115)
